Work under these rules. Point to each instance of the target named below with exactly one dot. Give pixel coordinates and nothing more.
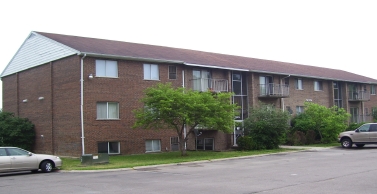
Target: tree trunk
(182, 147)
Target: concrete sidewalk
(304, 147)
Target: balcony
(358, 96)
(205, 84)
(273, 91)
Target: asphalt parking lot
(332, 170)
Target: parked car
(365, 134)
(16, 159)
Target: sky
(337, 34)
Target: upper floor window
(318, 86)
(298, 84)
(107, 110)
(151, 72)
(172, 72)
(106, 68)
(373, 89)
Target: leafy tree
(374, 114)
(266, 125)
(176, 108)
(15, 131)
(328, 122)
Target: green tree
(179, 108)
(328, 122)
(374, 114)
(16, 131)
(266, 125)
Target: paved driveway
(334, 170)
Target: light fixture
(41, 98)
(25, 100)
(90, 76)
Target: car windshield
(364, 128)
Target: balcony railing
(358, 96)
(361, 118)
(273, 90)
(206, 84)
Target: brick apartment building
(80, 92)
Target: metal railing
(207, 84)
(358, 95)
(273, 90)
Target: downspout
(184, 127)
(82, 105)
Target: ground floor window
(204, 144)
(174, 143)
(109, 147)
(153, 145)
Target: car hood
(347, 133)
(46, 156)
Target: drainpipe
(184, 127)
(82, 105)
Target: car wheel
(346, 143)
(46, 166)
(360, 145)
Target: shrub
(15, 131)
(245, 143)
(299, 138)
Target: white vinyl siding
(153, 145)
(106, 68)
(107, 110)
(37, 50)
(151, 72)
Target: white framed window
(107, 110)
(172, 72)
(109, 147)
(153, 145)
(106, 68)
(318, 86)
(298, 84)
(151, 72)
(299, 109)
(373, 89)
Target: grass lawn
(129, 161)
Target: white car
(16, 159)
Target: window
(373, 89)
(106, 68)
(153, 145)
(174, 143)
(298, 82)
(299, 109)
(172, 72)
(109, 147)
(107, 110)
(205, 144)
(318, 86)
(3, 152)
(151, 72)
(17, 152)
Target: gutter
(82, 105)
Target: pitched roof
(133, 50)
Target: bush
(299, 138)
(15, 131)
(353, 126)
(245, 143)
(266, 125)
(310, 137)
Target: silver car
(16, 159)
(365, 134)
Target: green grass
(130, 161)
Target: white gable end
(37, 50)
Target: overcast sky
(338, 34)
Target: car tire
(360, 145)
(346, 143)
(47, 166)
